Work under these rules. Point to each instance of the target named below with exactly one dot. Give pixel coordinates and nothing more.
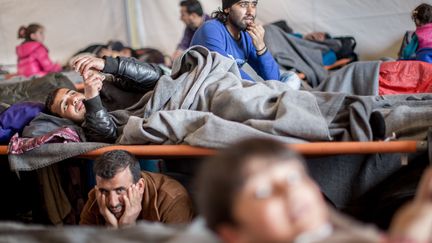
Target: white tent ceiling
(378, 25)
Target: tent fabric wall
(377, 25)
(69, 24)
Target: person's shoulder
(210, 28)
(213, 24)
(207, 17)
(37, 44)
(165, 184)
(30, 46)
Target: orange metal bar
(328, 148)
(315, 148)
(3, 149)
(155, 151)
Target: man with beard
(234, 33)
(192, 15)
(124, 194)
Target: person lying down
(206, 103)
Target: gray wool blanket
(206, 103)
(291, 52)
(357, 78)
(33, 89)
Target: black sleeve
(98, 125)
(131, 74)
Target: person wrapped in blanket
(88, 109)
(258, 190)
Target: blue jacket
(214, 36)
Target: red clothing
(33, 59)
(405, 77)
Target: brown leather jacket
(164, 200)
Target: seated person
(124, 194)
(235, 34)
(33, 58)
(422, 16)
(87, 109)
(417, 45)
(192, 15)
(259, 191)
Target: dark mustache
(117, 206)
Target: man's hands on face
(133, 206)
(86, 63)
(93, 84)
(110, 218)
(256, 31)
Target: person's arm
(41, 54)
(177, 209)
(132, 74)
(98, 125)
(260, 58)
(265, 65)
(89, 216)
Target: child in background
(33, 59)
(422, 17)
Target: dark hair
(25, 32)
(49, 101)
(110, 163)
(422, 14)
(224, 175)
(115, 45)
(220, 15)
(192, 6)
(149, 55)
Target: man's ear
(140, 185)
(229, 234)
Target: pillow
(16, 117)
